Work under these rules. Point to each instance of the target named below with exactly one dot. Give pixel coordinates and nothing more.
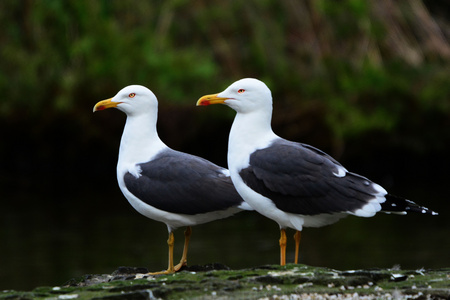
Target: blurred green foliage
(56, 52)
(366, 65)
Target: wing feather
(177, 182)
(302, 179)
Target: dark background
(367, 82)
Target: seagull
(294, 184)
(178, 189)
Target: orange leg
(283, 247)
(183, 261)
(170, 268)
(297, 237)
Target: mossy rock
(216, 280)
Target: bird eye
(131, 95)
(241, 91)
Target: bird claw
(176, 268)
(166, 272)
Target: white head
(132, 100)
(244, 96)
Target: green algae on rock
(264, 282)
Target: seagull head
(245, 95)
(132, 100)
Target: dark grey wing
(317, 151)
(302, 179)
(177, 182)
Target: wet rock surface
(217, 281)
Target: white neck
(140, 140)
(249, 130)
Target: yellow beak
(210, 99)
(105, 104)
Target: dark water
(49, 240)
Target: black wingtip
(396, 204)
